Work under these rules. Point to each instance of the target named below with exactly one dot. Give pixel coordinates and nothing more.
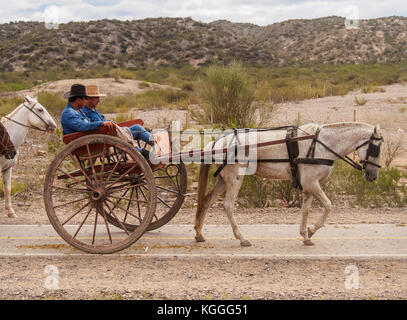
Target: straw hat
(93, 91)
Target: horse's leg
(7, 193)
(210, 198)
(306, 204)
(320, 195)
(233, 183)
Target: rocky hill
(178, 41)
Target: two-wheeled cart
(101, 194)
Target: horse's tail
(202, 186)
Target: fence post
(187, 119)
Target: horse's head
(38, 116)
(369, 153)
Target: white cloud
(260, 12)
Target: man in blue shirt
(73, 119)
(93, 94)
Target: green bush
(54, 103)
(228, 95)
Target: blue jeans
(138, 132)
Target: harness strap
(223, 165)
(346, 158)
(293, 152)
(311, 150)
(324, 162)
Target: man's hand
(109, 124)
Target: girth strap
(293, 152)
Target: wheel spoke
(127, 187)
(71, 189)
(128, 206)
(87, 215)
(66, 203)
(102, 159)
(94, 229)
(115, 166)
(163, 202)
(72, 177)
(124, 174)
(91, 163)
(117, 219)
(77, 212)
(124, 210)
(100, 207)
(168, 190)
(129, 199)
(80, 167)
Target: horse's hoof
(199, 239)
(12, 215)
(245, 243)
(310, 233)
(308, 243)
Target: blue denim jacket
(73, 120)
(93, 114)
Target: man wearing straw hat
(93, 99)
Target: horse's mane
(346, 124)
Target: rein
(24, 125)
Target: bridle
(372, 151)
(32, 110)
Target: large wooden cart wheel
(93, 179)
(171, 183)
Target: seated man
(72, 119)
(93, 94)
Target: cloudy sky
(261, 12)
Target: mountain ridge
(179, 41)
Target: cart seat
(96, 149)
(67, 138)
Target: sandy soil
(105, 277)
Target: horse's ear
(28, 98)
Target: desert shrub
(143, 85)
(392, 148)
(261, 192)
(372, 88)
(55, 143)
(360, 101)
(227, 95)
(54, 103)
(17, 187)
(9, 104)
(117, 104)
(387, 190)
